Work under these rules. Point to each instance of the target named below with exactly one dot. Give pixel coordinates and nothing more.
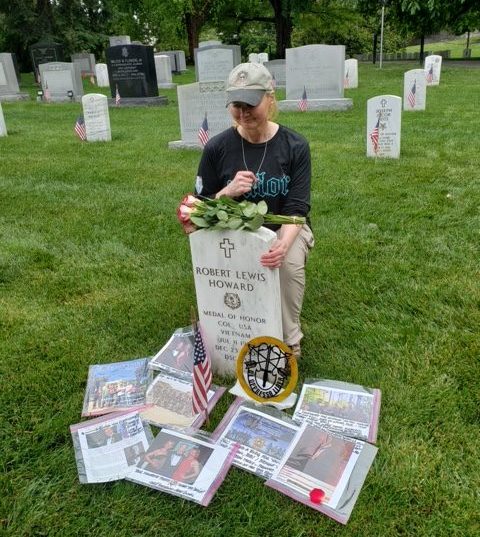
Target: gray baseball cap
(247, 83)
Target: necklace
(261, 162)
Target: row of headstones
(403, 55)
(384, 112)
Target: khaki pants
(292, 285)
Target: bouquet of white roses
(226, 213)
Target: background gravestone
(351, 73)
(209, 43)
(384, 114)
(278, 69)
(253, 57)
(177, 60)
(164, 71)
(116, 40)
(97, 118)
(131, 70)
(214, 62)
(414, 90)
(101, 74)
(194, 101)
(9, 90)
(319, 71)
(59, 78)
(237, 298)
(262, 57)
(3, 127)
(86, 63)
(433, 68)
(45, 53)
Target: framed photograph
(263, 439)
(177, 354)
(348, 409)
(169, 402)
(324, 471)
(115, 387)
(109, 447)
(184, 466)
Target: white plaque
(384, 116)
(414, 90)
(96, 116)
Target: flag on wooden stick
(80, 129)
(374, 136)
(202, 373)
(203, 134)
(117, 96)
(303, 102)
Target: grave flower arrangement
(226, 213)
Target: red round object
(317, 495)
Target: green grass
(455, 45)
(94, 268)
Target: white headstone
(384, 118)
(253, 57)
(263, 57)
(60, 78)
(214, 63)
(116, 40)
(96, 116)
(3, 127)
(315, 74)
(237, 298)
(433, 68)
(278, 70)
(164, 71)
(209, 43)
(351, 74)
(194, 102)
(9, 89)
(414, 90)
(86, 63)
(101, 71)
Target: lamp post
(381, 31)
(39, 95)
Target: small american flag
(92, 80)
(346, 81)
(374, 136)
(202, 374)
(430, 74)
(46, 93)
(80, 129)
(203, 135)
(117, 96)
(303, 102)
(411, 95)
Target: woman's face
(251, 117)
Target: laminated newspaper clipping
(169, 402)
(184, 466)
(324, 471)
(177, 354)
(345, 408)
(115, 387)
(109, 447)
(263, 435)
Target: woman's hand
(241, 184)
(275, 255)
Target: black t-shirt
(282, 168)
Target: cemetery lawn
(94, 268)
(456, 46)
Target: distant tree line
(256, 25)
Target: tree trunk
(194, 25)
(468, 39)
(422, 48)
(283, 26)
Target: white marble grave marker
(263, 57)
(96, 116)
(384, 117)
(433, 68)
(414, 90)
(237, 298)
(164, 71)
(101, 72)
(351, 74)
(253, 57)
(3, 127)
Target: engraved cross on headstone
(227, 246)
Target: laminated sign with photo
(177, 354)
(324, 471)
(169, 402)
(184, 466)
(345, 408)
(109, 447)
(114, 387)
(263, 436)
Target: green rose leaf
(250, 210)
(254, 223)
(262, 208)
(199, 221)
(222, 215)
(235, 223)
